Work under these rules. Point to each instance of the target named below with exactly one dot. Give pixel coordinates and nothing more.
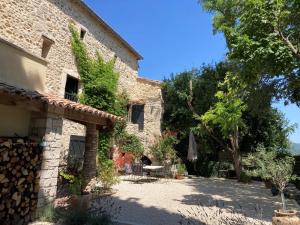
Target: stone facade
(49, 126)
(26, 24)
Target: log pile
(20, 162)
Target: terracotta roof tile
(55, 101)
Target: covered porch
(45, 114)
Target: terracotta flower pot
(268, 184)
(82, 201)
(288, 217)
(179, 177)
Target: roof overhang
(35, 101)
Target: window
(47, 43)
(71, 89)
(136, 114)
(82, 34)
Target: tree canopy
(248, 107)
(263, 38)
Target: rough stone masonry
(27, 23)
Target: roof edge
(149, 81)
(110, 29)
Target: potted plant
(107, 174)
(269, 165)
(163, 150)
(180, 171)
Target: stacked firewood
(20, 162)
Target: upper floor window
(47, 43)
(82, 34)
(71, 89)
(136, 115)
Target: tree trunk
(236, 154)
(90, 153)
(237, 164)
(283, 201)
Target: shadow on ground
(156, 203)
(252, 198)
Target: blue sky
(172, 36)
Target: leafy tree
(270, 165)
(264, 124)
(263, 38)
(226, 114)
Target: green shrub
(47, 214)
(181, 169)
(107, 173)
(212, 168)
(164, 150)
(75, 216)
(272, 165)
(245, 178)
(74, 182)
(131, 143)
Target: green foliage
(271, 165)
(131, 143)
(98, 77)
(245, 178)
(263, 38)
(164, 150)
(107, 172)
(259, 121)
(227, 112)
(47, 214)
(177, 115)
(212, 168)
(74, 182)
(67, 176)
(181, 169)
(80, 216)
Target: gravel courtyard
(159, 202)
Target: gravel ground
(159, 202)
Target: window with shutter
(137, 115)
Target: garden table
(154, 169)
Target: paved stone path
(159, 203)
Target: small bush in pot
(270, 165)
(163, 150)
(107, 173)
(181, 169)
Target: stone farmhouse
(38, 77)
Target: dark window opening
(47, 43)
(82, 34)
(137, 115)
(71, 89)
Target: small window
(137, 115)
(47, 43)
(82, 34)
(71, 89)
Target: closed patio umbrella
(192, 152)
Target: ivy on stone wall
(100, 82)
(99, 79)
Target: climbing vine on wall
(99, 79)
(100, 82)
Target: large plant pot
(82, 201)
(268, 184)
(288, 217)
(179, 177)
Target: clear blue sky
(172, 36)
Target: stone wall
(26, 23)
(48, 126)
(150, 94)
